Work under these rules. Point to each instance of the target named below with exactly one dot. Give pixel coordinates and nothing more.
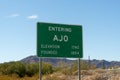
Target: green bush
(32, 69)
(20, 69)
(47, 68)
(13, 68)
(4, 68)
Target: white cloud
(33, 17)
(14, 15)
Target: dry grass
(98, 74)
(101, 74)
(55, 76)
(15, 77)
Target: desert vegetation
(62, 71)
(19, 70)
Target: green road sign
(59, 40)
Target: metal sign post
(79, 71)
(40, 68)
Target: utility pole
(103, 64)
(89, 63)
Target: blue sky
(100, 20)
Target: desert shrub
(73, 68)
(13, 68)
(32, 69)
(47, 68)
(3, 68)
(20, 69)
(67, 71)
(84, 65)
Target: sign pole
(79, 71)
(40, 70)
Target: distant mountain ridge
(54, 61)
(106, 64)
